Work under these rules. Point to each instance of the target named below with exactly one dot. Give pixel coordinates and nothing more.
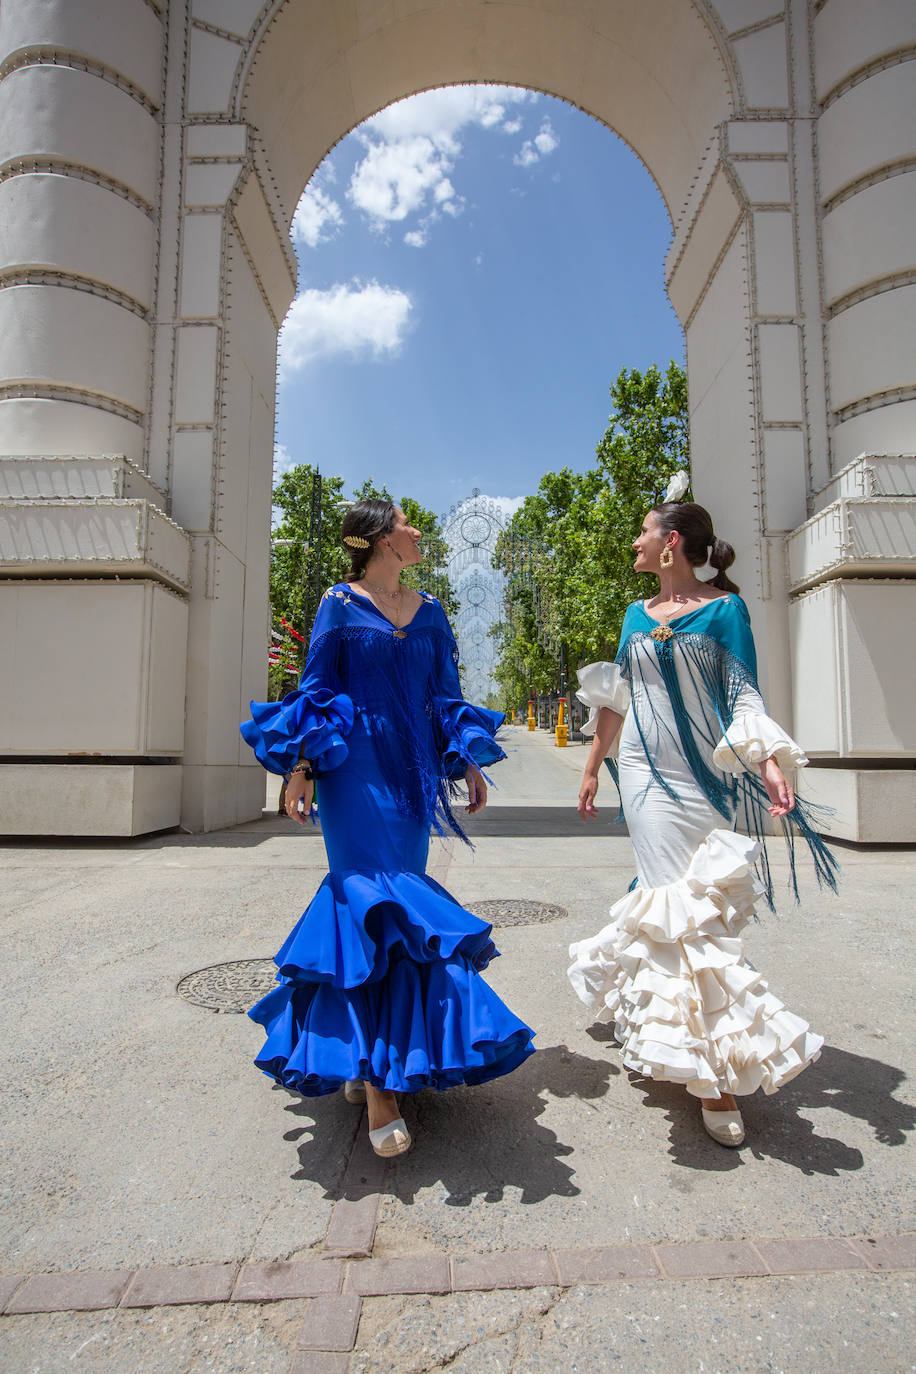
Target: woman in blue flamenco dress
(378, 985)
(700, 764)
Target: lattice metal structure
(470, 530)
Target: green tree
(430, 575)
(299, 573)
(645, 444)
(566, 552)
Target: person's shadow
(476, 1141)
(850, 1083)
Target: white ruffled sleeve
(752, 737)
(602, 684)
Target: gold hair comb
(355, 541)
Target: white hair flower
(677, 486)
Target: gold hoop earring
(666, 558)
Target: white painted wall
(145, 205)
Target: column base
(215, 796)
(89, 799)
(870, 805)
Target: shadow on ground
(477, 1141)
(533, 822)
(860, 1087)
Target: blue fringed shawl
(407, 693)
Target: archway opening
(476, 264)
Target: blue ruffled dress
(380, 978)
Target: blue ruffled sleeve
(312, 721)
(466, 733)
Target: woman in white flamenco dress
(699, 762)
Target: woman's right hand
(587, 808)
(299, 788)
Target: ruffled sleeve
(466, 733)
(311, 722)
(602, 684)
(752, 737)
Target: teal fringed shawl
(714, 647)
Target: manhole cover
(512, 911)
(229, 987)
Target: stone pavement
(167, 1210)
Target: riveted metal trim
(865, 72)
(19, 167)
(36, 391)
(59, 57)
(15, 276)
(876, 401)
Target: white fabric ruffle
(670, 972)
(602, 684)
(753, 737)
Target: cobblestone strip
(335, 1288)
(351, 1231)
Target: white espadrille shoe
(393, 1139)
(726, 1128)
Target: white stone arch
(151, 157)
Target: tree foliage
(301, 567)
(566, 552)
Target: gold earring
(666, 559)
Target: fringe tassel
(719, 679)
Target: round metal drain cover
(229, 987)
(511, 911)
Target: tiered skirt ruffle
(670, 972)
(380, 980)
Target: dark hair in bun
(694, 524)
(363, 525)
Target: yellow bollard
(561, 730)
(531, 720)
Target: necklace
(383, 591)
(396, 598)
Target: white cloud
(442, 114)
(355, 318)
(413, 146)
(416, 238)
(283, 461)
(527, 155)
(511, 126)
(317, 218)
(508, 505)
(394, 179)
(546, 140)
(533, 149)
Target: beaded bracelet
(303, 767)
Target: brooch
(661, 633)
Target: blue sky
(476, 266)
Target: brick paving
(330, 1323)
(340, 1285)
(333, 1286)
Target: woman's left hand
(477, 790)
(779, 790)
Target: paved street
(193, 1217)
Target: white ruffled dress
(669, 969)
